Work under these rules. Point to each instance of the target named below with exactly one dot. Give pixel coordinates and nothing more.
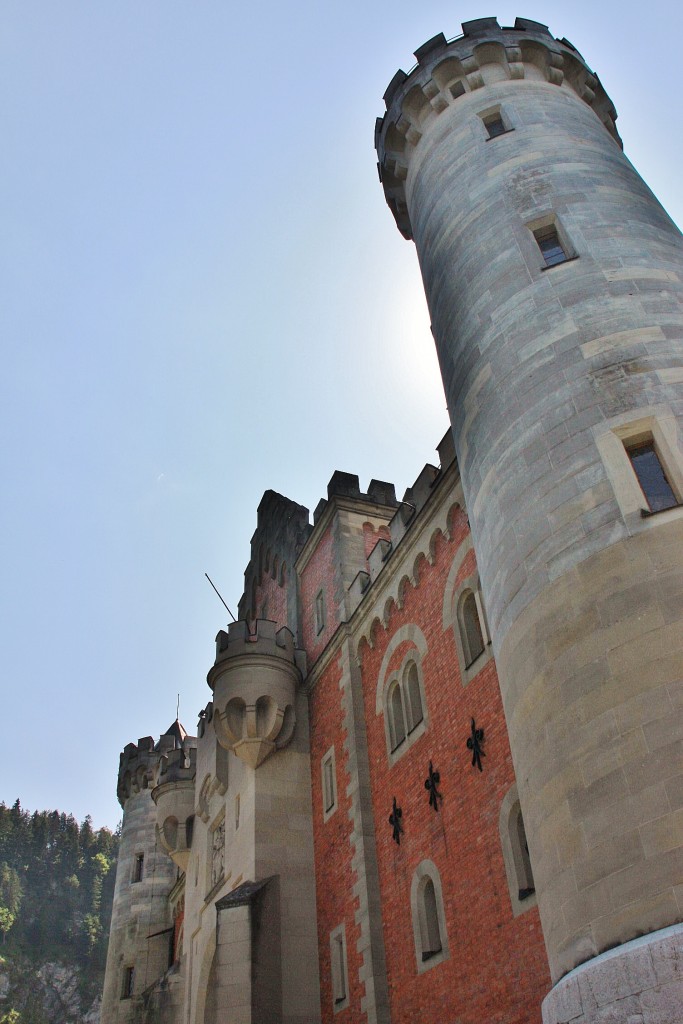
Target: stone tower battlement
(448, 71)
(255, 680)
(262, 638)
(178, 764)
(138, 766)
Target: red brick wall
(333, 872)
(271, 601)
(318, 574)
(497, 970)
(372, 535)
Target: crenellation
(138, 765)
(420, 491)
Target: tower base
(641, 981)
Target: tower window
(653, 482)
(525, 876)
(494, 126)
(495, 122)
(128, 982)
(520, 877)
(548, 242)
(138, 867)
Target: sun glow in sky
(205, 296)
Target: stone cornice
(448, 71)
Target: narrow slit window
(520, 876)
(138, 867)
(650, 473)
(412, 695)
(548, 242)
(471, 632)
(319, 612)
(128, 982)
(340, 987)
(340, 993)
(525, 874)
(329, 786)
(397, 724)
(329, 783)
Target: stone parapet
(448, 70)
(260, 637)
(255, 680)
(137, 768)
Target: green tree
(10, 897)
(56, 889)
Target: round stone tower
(553, 278)
(140, 936)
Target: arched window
(525, 878)
(516, 854)
(463, 611)
(429, 922)
(400, 694)
(413, 698)
(470, 628)
(430, 937)
(404, 705)
(397, 724)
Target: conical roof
(178, 732)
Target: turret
(554, 280)
(174, 793)
(255, 680)
(140, 941)
(250, 896)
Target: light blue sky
(204, 295)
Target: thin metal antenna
(177, 709)
(222, 601)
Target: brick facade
(497, 966)
(496, 969)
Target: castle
(440, 775)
